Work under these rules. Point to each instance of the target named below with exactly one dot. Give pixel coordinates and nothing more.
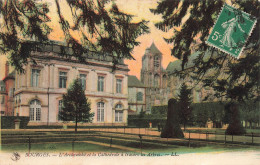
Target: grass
(55, 141)
(59, 147)
(86, 147)
(220, 131)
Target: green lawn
(59, 147)
(219, 131)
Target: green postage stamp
(231, 31)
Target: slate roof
(134, 82)
(62, 49)
(176, 65)
(10, 76)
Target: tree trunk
(76, 125)
(172, 128)
(235, 127)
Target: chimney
(6, 69)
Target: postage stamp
(231, 31)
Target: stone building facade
(154, 77)
(7, 88)
(136, 96)
(39, 90)
(199, 93)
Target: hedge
(144, 122)
(250, 111)
(7, 122)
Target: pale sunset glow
(139, 8)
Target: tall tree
(235, 80)
(185, 109)
(75, 105)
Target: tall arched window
(164, 81)
(156, 62)
(119, 113)
(35, 110)
(60, 109)
(156, 80)
(100, 111)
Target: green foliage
(75, 105)
(22, 20)
(184, 101)
(250, 112)
(142, 113)
(230, 78)
(105, 29)
(209, 110)
(102, 29)
(7, 122)
(235, 127)
(160, 110)
(144, 122)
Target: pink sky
(139, 8)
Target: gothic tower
(154, 77)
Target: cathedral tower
(154, 77)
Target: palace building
(38, 91)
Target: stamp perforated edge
(215, 46)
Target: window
(101, 83)
(164, 81)
(3, 100)
(156, 80)
(35, 110)
(119, 113)
(100, 111)
(2, 88)
(119, 106)
(156, 62)
(118, 116)
(139, 96)
(35, 77)
(19, 101)
(118, 86)
(83, 79)
(62, 79)
(59, 109)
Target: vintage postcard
(129, 82)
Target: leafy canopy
(102, 27)
(231, 79)
(22, 20)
